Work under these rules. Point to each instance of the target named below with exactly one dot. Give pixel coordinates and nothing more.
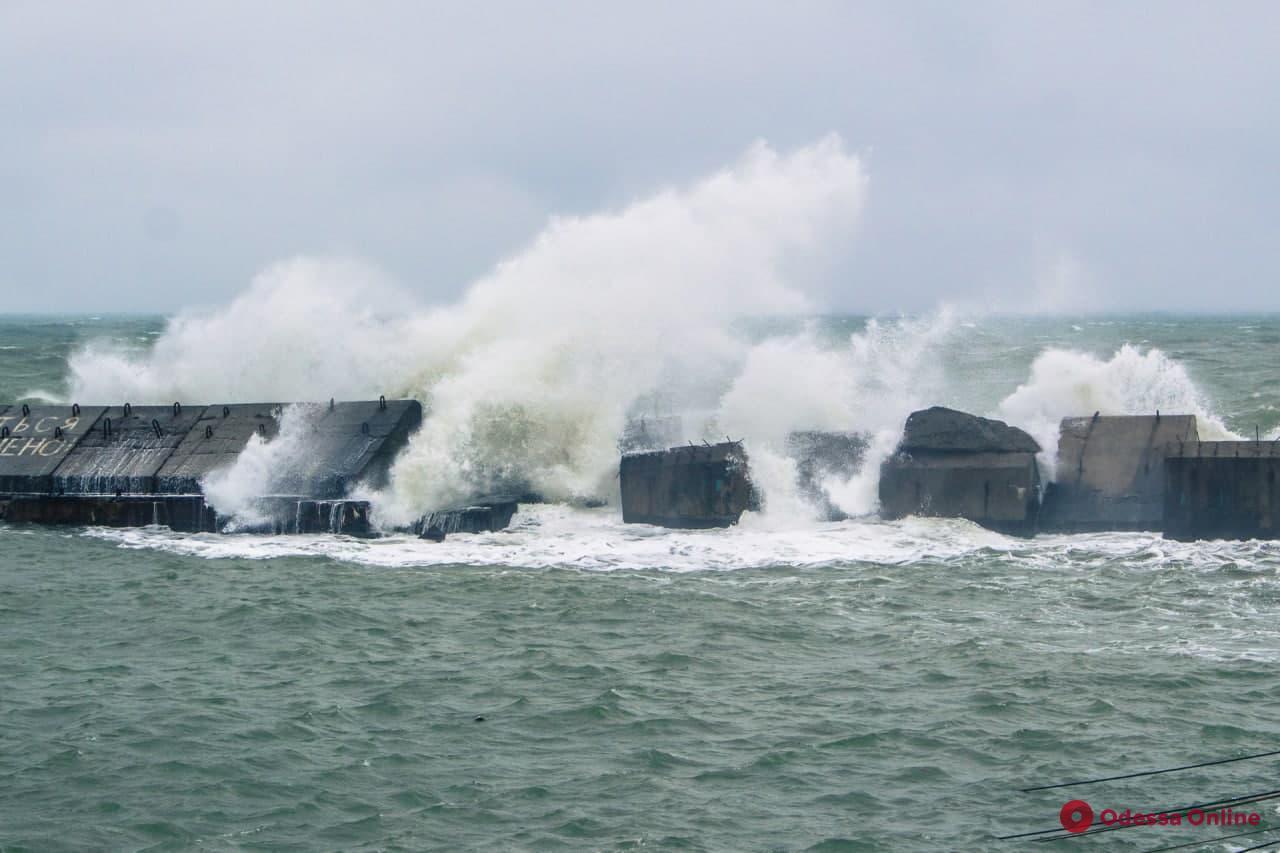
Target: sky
(1046, 157)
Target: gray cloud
(156, 155)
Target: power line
(1150, 772)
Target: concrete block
(291, 514)
(1222, 490)
(185, 513)
(954, 465)
(125, 449)
(215, 441)
(690, 487)
(34, 440)
(350, 443)
(1110, 472)
(479, 516)
(1000, 491)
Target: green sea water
(575, 683)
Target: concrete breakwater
(138, 465)
(1110, 472)
(1118, 472)
(142, 465)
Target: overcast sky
(1027, 156)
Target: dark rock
(947, 430)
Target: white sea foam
(867, 384)
(1066, 383)
(555, 536)
(529, 376)
(261, 467)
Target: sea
(574, 683)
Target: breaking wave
(1064, 383)
(530, 376)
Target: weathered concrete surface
(1110, 472)
(352, 442)
(34, 440)
(124, 450)
(215, 441)
(954, 465)
(481, 515)
(185, 513)
(1222, 490)
(949, 430)
(689, 487)
(285, 514)
(59, 464)
(821, 456)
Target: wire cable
(1150, 772)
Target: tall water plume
(529, 376)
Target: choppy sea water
(782, 685)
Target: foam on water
(545, 536)
(556, 536)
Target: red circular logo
(1076, 816)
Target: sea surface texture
(576, 683)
